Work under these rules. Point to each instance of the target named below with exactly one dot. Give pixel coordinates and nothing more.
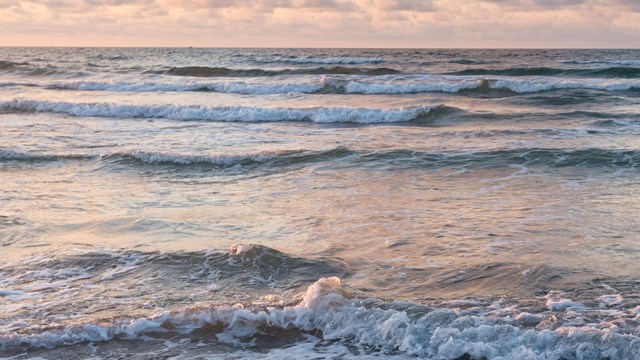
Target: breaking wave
(399, 158)
(221, 113)
(610, 72)
(339, 60)
(328, 310)
(205, 71)
(350, 85)
(603, 62)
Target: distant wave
(6, 65)
(399, 158)
(165, 158)
(220, 113)
(329, 310)
(337, 60)
(546, 84)
(610, 72)
(134, 158)
(350, 85)
(25, 68)
(603, 62)
(14, 155)
(235, 87)
(205, 71)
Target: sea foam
(220, 113)
(327, 307)
(383, 84)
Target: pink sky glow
(322, 23)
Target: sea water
(319, 203)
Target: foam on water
(539, 84)
(484, 227)
(443, 333)
(223, 87)
(383, 84)
(582, 157)
(222, 113)
(630, 63)
(147, 157)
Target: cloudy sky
(322, 23)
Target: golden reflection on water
(429, 223)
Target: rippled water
(290, 203)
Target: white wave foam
(556, 303)
(158, 157)
(7, 154)
(339, 60)
(412, 86)
(326, 307)
(352, 84)
(631, 63)
(14, 295)
(239, 87)
(220, 160)
(539, 84)
(610, 300)
(222, 113)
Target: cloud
(558, 3)
(386, 23)
(406, 5)
(633, 5)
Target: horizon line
(320, 47)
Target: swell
(205, 71)
(25, 68)
(7, 65)
(397, 159)
(136, 158)
(336, 60)
(220, 113)
(266, 266)
(352, 85)
(610, 72)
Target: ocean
(190, 203)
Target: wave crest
(205, 71)
(221, 113)
(352, 85)
(327, 307)
(610, 72)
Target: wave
(237, 87)
(337, 60)
(12, 155)
(7, 65)
(25, 68)
(266, 266)
(427, 83)
(398, 158)
(221, 113)
(611, 72)
(469, 62)
(588, 157)
(205, 71)
(548, 84)
(603, 62)
(329, 310)
(351, 85)
(281, 157)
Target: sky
(323, 23)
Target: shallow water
(406, 203)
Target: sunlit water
(319, 203)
